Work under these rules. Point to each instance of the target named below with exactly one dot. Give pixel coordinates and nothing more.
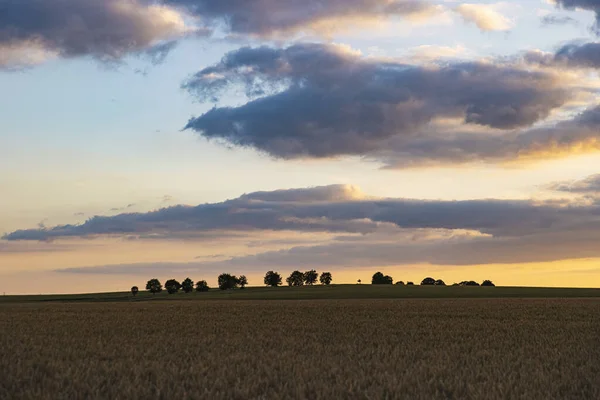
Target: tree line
(381, 279)
(274, 279)
(228, 281)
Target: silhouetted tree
(400, 283)
(272, 279)
(469, 283)
(359, 281)
(296, 278)
(487, 283)
(242, 281)
(440, 282)
(409, 283)
(380, 279)
(135, 290)
(154, 286)
(325, 278)
(202, 286)
(172, 286)
(428, 282)
(227, 281)
(187, 285)
(310, 277)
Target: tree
(469, 283)
(400, 283)
(272, 279)
(409, 283)
(227, 281)
(487, 283)
(135, 290)
(187, 285)
(310, 277)
(154, 286)
(325, 278)
(440, 282)
(242, 281)
(359, 281)
(296, 278)
(428, 282)
(202, 286)
(380, 279)
(172, 286)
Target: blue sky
(81, 137)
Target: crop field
(308, 349)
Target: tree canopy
(272, 279)
(187, 285)
(380, 279)
(154, 286)
(172, 286)
(227, 281)
(202, 286)
(296, 278)
(310, 277)
(326, 278)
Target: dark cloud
(586, 55)
(320, 100)
(267, 17)
(344, 213)
(104, 29)
(552, 20)
(578, 134)
(590, 186)
(591, 5)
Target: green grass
(323, 292)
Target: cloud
(345, 228)
(339, 210)
(585, 55)
(577, 135)
(32, 31)
(317, 100)
(485, 16)
(269, 18)
(553, 20)
(591, 5)
(589, 186)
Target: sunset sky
(175, 138)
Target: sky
(164, 139)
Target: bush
(487, 283)
(326, 278)
(154, 286)
(135, 290)
(409, 283)
(227, 281)
(310, 277)
(380, 279)
(469, 283)
(202, 286)
(296, 278)
(172, 286)
(401, 283)
(428, 282)
(187, 285)
(272, 279)
(440, 282)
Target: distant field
(313, 349)
(326, 292)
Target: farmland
(230, 348)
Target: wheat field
(308, 349)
